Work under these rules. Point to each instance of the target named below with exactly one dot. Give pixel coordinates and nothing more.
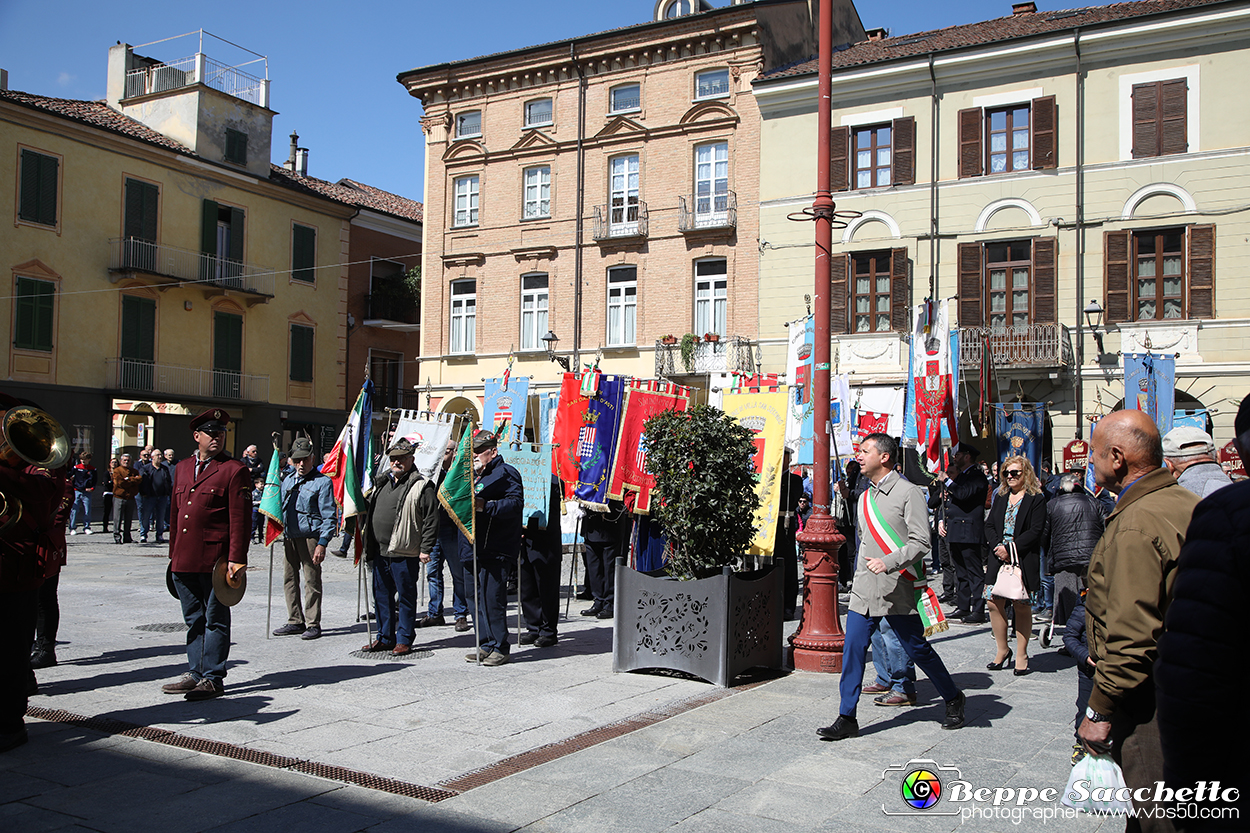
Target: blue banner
(1090, 485)
(533, 461)
(596, 440)
(1193, 419)
(909, 404)
(1019, 427)
(1150, 386)
(547, 416)
(801, 414)
(505, 407)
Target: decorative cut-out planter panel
(714, 628)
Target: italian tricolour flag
(350, 467)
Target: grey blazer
(903, 505)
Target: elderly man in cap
(399, 535)
(500, 505)
(1189, 453)
(212, 519)
(308, 520)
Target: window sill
(537, 218)
(717, 97)
(539, 125)
(613, 113)
(620, 348)
(461, 137)
(462, 228)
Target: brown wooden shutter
(1173, 112)
(900, 291)
(903, 156)
(1115, 270)
(839, 159)
(1201, 272)
(839, 294)
(971, 280)
(1044, 257)
(1145, 120)
(1045, 138)
(971, 127)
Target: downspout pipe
(933, 183)
(1080, 236)
(581, 207)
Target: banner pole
(269, 598)
(477, 607)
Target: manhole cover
(164, 627)
(388, 657)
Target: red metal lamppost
(817, 646)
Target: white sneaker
(87, 531)
(73, 532)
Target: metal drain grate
(373, 782)
(383, 656)
(163, 627)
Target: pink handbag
(1010, 581)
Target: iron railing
(131, 254)
(389, 306)
(729, 355)
(141, 376)
(619, 222)
(396, 397)
(197, 69)
(1035, 346)
(708, 211)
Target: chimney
(4, 79)
(877, 34)
(289, 164)
(301, 161)
(1028, 7)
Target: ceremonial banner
(1019, 427)
(909, 408)
(271, 500)
(585, 431)
(533, 461)
(800, 416)
(885, 405)
(840, 415)
(429, 435)
(1075, 455)
(1194, 419)
(505, 406)
(933, 378)
(456, 493)
(350, 467)
(765, 415)
(547, 404)
(1228, 454)
(643, 399)
(1150, 386)
(1091, 485)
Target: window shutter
(141, 207)
(236, 235)
(47, 189)
(304, 254)
(971, 126)
(1115, 259)
(33, 314)
(138, 328)
(1173, 112)
(301, 353)
(228, 342)
(38, 197)
(839, 159)
(29, 209)
(1045, 138)
(899, 290)
(839, 294)
(1145, 120)
(1201, 272)
(1044, 257)
(208, 228)
(970, 281)
(903, 155)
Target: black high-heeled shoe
(999, 666)
(1022, 672)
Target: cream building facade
(1025, 167)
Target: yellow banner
(765, 415)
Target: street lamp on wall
(551, 340)
(1093, 317)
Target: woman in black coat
(1014, 530)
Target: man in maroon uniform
(211, 518)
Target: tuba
(28, 436)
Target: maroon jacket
(28, 546)
(210, 517)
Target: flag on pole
(350, 467)
(456, 494)
(271, 500)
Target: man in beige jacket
(1130, 581)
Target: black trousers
(601, 570)
(17, 631)
(948, 567)
(538, 589)
(969, 576)
(48, 615)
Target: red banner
(570, 419)
(643, 399)
(1075, 455)
(1228, 454)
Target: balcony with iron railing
(141, 376)
(197, 69)
(167, 264)
(708, 212)
(393, 309)
(621, 222)
(1028, 347)
(731, 354)
(396, 397)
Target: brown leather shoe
(431, 621)
(377, 645)
(462, 625)
(895, 698)
(206, 689)
(182, 685)
(401, 649)
(875, 688)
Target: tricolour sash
(888, 540)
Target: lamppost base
(817, 645)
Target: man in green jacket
(1130, 582)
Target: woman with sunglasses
(1014, 531)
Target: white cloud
(65, 79)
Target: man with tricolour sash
(893, 528)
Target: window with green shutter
(32, 308)
(227, 355)
(141, 210)
(236, 146)
(304, 254)
(38, 196)
(301, 353)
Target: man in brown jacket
(1130, 582)
(126, 482)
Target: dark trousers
(492, 604)
(1136, 747)
(208, 626)
(601, 571)
(538, 589)
(1084, 688)
(969, 576)
(123, 517)
(785, 551)
(17, 631)
(948, 568)
(108, 512)
(48, 615)
(907, 627)
(395, 594)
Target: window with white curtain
(711, 296)
(463, 317)
(533, 310)
(622, 306)
(537, 201)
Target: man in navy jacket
(963, 527)
(500, 505)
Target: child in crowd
(258, 525)
(1074, 640)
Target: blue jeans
(395, 594)
(81, 509)
(157, 508)
(447, 551)
(144, 505)
(492, 618)
(208, 626)
(894, 668)
(910, 632)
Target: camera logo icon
(921, 789)
(920, 785)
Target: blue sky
(333, 64)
